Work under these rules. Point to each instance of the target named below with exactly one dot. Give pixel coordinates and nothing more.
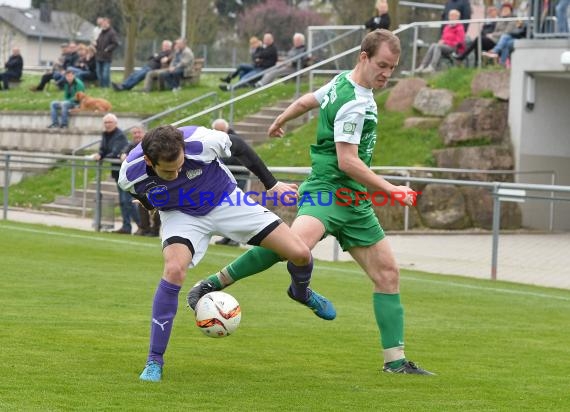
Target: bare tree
(133, 13)
(393, 7)
(70, 23)
(353, 12)
(201, 22)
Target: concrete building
(539, 119)
(40, 32)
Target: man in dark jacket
(14, 67)
(113, 144)
(107, 42)
(242, 148)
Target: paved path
(537, 259)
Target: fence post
(496, 228)
(336, 245)
(407, 208)
(231, 115)
(298, 80)
(73, 178)
(97, 217)
(6, 185)
(551, 219)
(414, 49)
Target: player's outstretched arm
(249, 158)
(299, 107)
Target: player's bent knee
(300, 255)
(175, 272)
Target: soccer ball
(217, 314)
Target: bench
(14, 83)
(192, 74)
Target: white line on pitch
(320, 265)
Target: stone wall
(479, 122)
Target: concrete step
(66, 209)
(257, 138)
(47, 140)
(106, 186)
(282, 104)
(23, 166)
(74, 206)
(244, 128)
(89, 194)
(271, 111)
(77, 199)
(260, 119)
(40, 120)
(21, 160)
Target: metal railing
(514, 191)
(407, 172)
(404, 172)
(416, 26)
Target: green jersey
(348, 114)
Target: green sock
(389, 314)
(253, 261)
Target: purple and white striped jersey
(202, 183)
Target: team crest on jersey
(348, 127)
(191, 174)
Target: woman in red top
(452, 40)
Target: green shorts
(352, 226)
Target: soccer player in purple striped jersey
(179, 172)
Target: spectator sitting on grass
(255, 46)
(67, 59)
(283, 70)
(155, 62)
(264, 58)
(183, 58)
(84, 68)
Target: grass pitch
(76, 315)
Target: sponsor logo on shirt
(191, 174)
(348, 127)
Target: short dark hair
(163, 143)
(373, 40)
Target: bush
(279, 19)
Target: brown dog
(93, 104)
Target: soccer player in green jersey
(341, 158)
